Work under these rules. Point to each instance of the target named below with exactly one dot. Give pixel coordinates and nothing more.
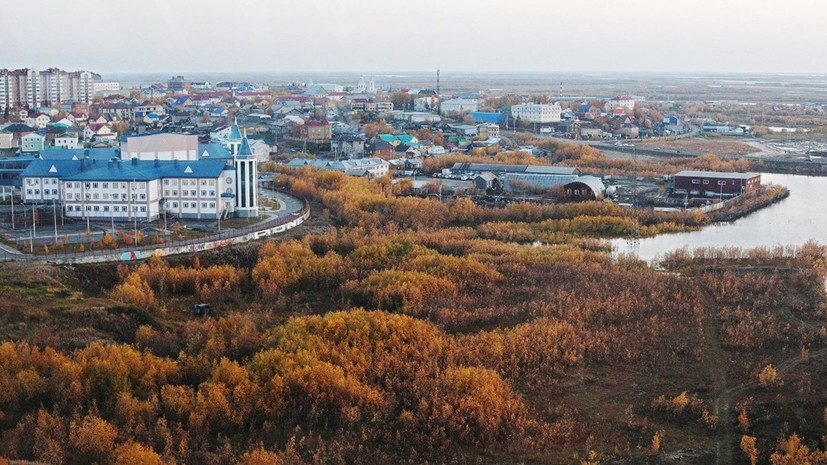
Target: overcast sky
(776, 36)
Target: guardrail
(276, 225)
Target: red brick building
(716, 183)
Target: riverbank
(743, 205)
(788, 221)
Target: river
(792, 221)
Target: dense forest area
(408, 330)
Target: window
(94, 185)
(97, 208)
(143, 196)
(143, 209)
(696, 181)
(106, 185)
(106, 208)
(722, 183)
(203, 204)
(706, 181)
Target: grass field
(717, 146)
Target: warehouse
(712, 183)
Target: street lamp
(135, 217)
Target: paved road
(289, 208)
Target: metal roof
(594, 183)
(138, 170)
(504, 168)
(716, 174)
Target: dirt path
(727, 437)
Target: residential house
(488, 130)
(316, 131)
(67, 141)
(32, 142)
(625, 102)
(348, 146)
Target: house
(459, 106)
(537, 113)
(316, 131)
(348, 146)
(437, 150)
(38, 120)
(67, 141)
(486, 180)
(98, 132)
(32, 142)
(488, 130)
(361, 104)
(7, 141)
(622, 126)
(624, 102)
(713, 183)
(399, 139)
(426, 103)
(381, 148)
(416, 117)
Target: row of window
(105, 208)
(105, 185)
(706, 181)
(192, 182)
(31, 182)
(45, 191)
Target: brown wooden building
(714, 182)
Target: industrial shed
(585, 188)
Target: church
(148, 176)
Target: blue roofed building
(147, 176)
(488, 117)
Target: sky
(364, 36)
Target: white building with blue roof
(148, 176)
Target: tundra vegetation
(408, 330)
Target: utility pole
(438, 95)
(34, 226)
(54, 216)
(11, 202)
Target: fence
(276, 225)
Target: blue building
(147, 176)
